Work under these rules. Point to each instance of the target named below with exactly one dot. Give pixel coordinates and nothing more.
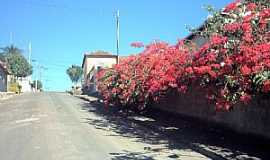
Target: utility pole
(29, 78)
(38, 74)
(38, 71)
(117, 34)
(42, 68)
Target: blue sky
(62, 30)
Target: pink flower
(231, 6)
(182, 89)
(247, 27)
(221, 104)
(245, 98)
(189, 70)
(251, 6)
(245, 70)
(218, 40)
(266, 86)
(232, 27)
(137, 44)
(222, 92)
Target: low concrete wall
(6, 95)
(253, 118)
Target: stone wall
(253, 118)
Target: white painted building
(25, 83)
(92, 62)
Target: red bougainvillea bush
(138, 80)
(235, 63)
(232, 66)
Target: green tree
(17, 63)
(75, 73)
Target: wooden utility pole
(38, 71)
(117, 34)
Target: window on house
(99, 68)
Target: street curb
(87, 98)
(6, 95)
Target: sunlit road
(57, 126)
(54, 126)
(48, 126)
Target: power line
(56, 65)
(58, 61)
(117, 33)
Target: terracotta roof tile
(99, 53)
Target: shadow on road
(175, 133)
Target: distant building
(196, 38)
(25, 83)
(3, 77)
(92, 63)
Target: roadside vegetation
(75, 73)
(14, 87)
(16, 62)
(233, 66)
(17, 66)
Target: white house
(92, 62)
(25, 83)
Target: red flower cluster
(137, 44)
(241, 50)
(266, 86)
(245, 98)
(224, 67)
(232, 27)
(245, 70)
(264, 18)
(218, 40)
(251, 6)
(138, 80)
(232, 6)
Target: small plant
(15, 87)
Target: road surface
(57, 126)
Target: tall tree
(17, 63)
(75, 73)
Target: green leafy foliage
(17, 63)
(75, 73)
(260, 78)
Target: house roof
(103, 53)
(199, 29)
(202, 27)
(97, 54)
